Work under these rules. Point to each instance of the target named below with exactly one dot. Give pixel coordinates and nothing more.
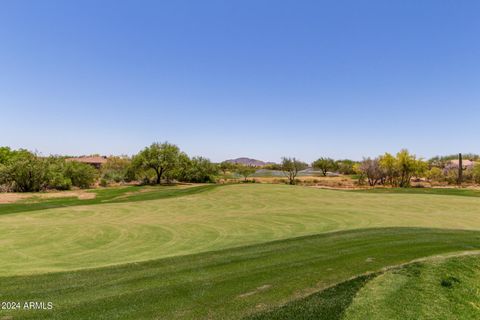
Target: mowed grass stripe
(231, 216)
(439, 287)
(228, 284)
(108, 195)
(431, 289)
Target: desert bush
(476, 173)
(80, 174)
(345, 166)
(103, 182)
(435, 174)
(118, 169)
(24, 171)
(451, 176)
(273, 166)
(371, 169)
(399, 170)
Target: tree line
(25, 171)
(393, 170)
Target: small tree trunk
(159, 175)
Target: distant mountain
(249, 162)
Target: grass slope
(228, 284)
(328, 304)
(437, 289)
(77, 237)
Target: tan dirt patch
(12, 197)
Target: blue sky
(253, 78)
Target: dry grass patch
(12, 197)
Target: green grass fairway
(108, 195)
(441, 287)
(437, 289)
(222, 252)
(97, 235)
(228, 284)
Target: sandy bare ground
(11, 197)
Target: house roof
(465, 163)
(89, 160)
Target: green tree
(226, 166)
(345, 166)
(245, 171)
(162, 158)
(197, 170)
(409, 167)
(6, 154)
(325, 165)
(291, 167)
(390, 166)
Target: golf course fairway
(228, 252)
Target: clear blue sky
(253, 78)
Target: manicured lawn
(95, 235)
(107, 195)
(220, 252)
(228, 284)
(436, 289)
(328, 304)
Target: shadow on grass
(329, 304)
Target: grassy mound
(329, 304)
(228, 284)
(437, 289)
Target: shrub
(435, 174)
(346, 166)
(59, 182)
(103, 182)
(476, 173)
(24, 172)
(82, 175)
(118, 169)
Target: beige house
(466, 164)
(96, 161)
